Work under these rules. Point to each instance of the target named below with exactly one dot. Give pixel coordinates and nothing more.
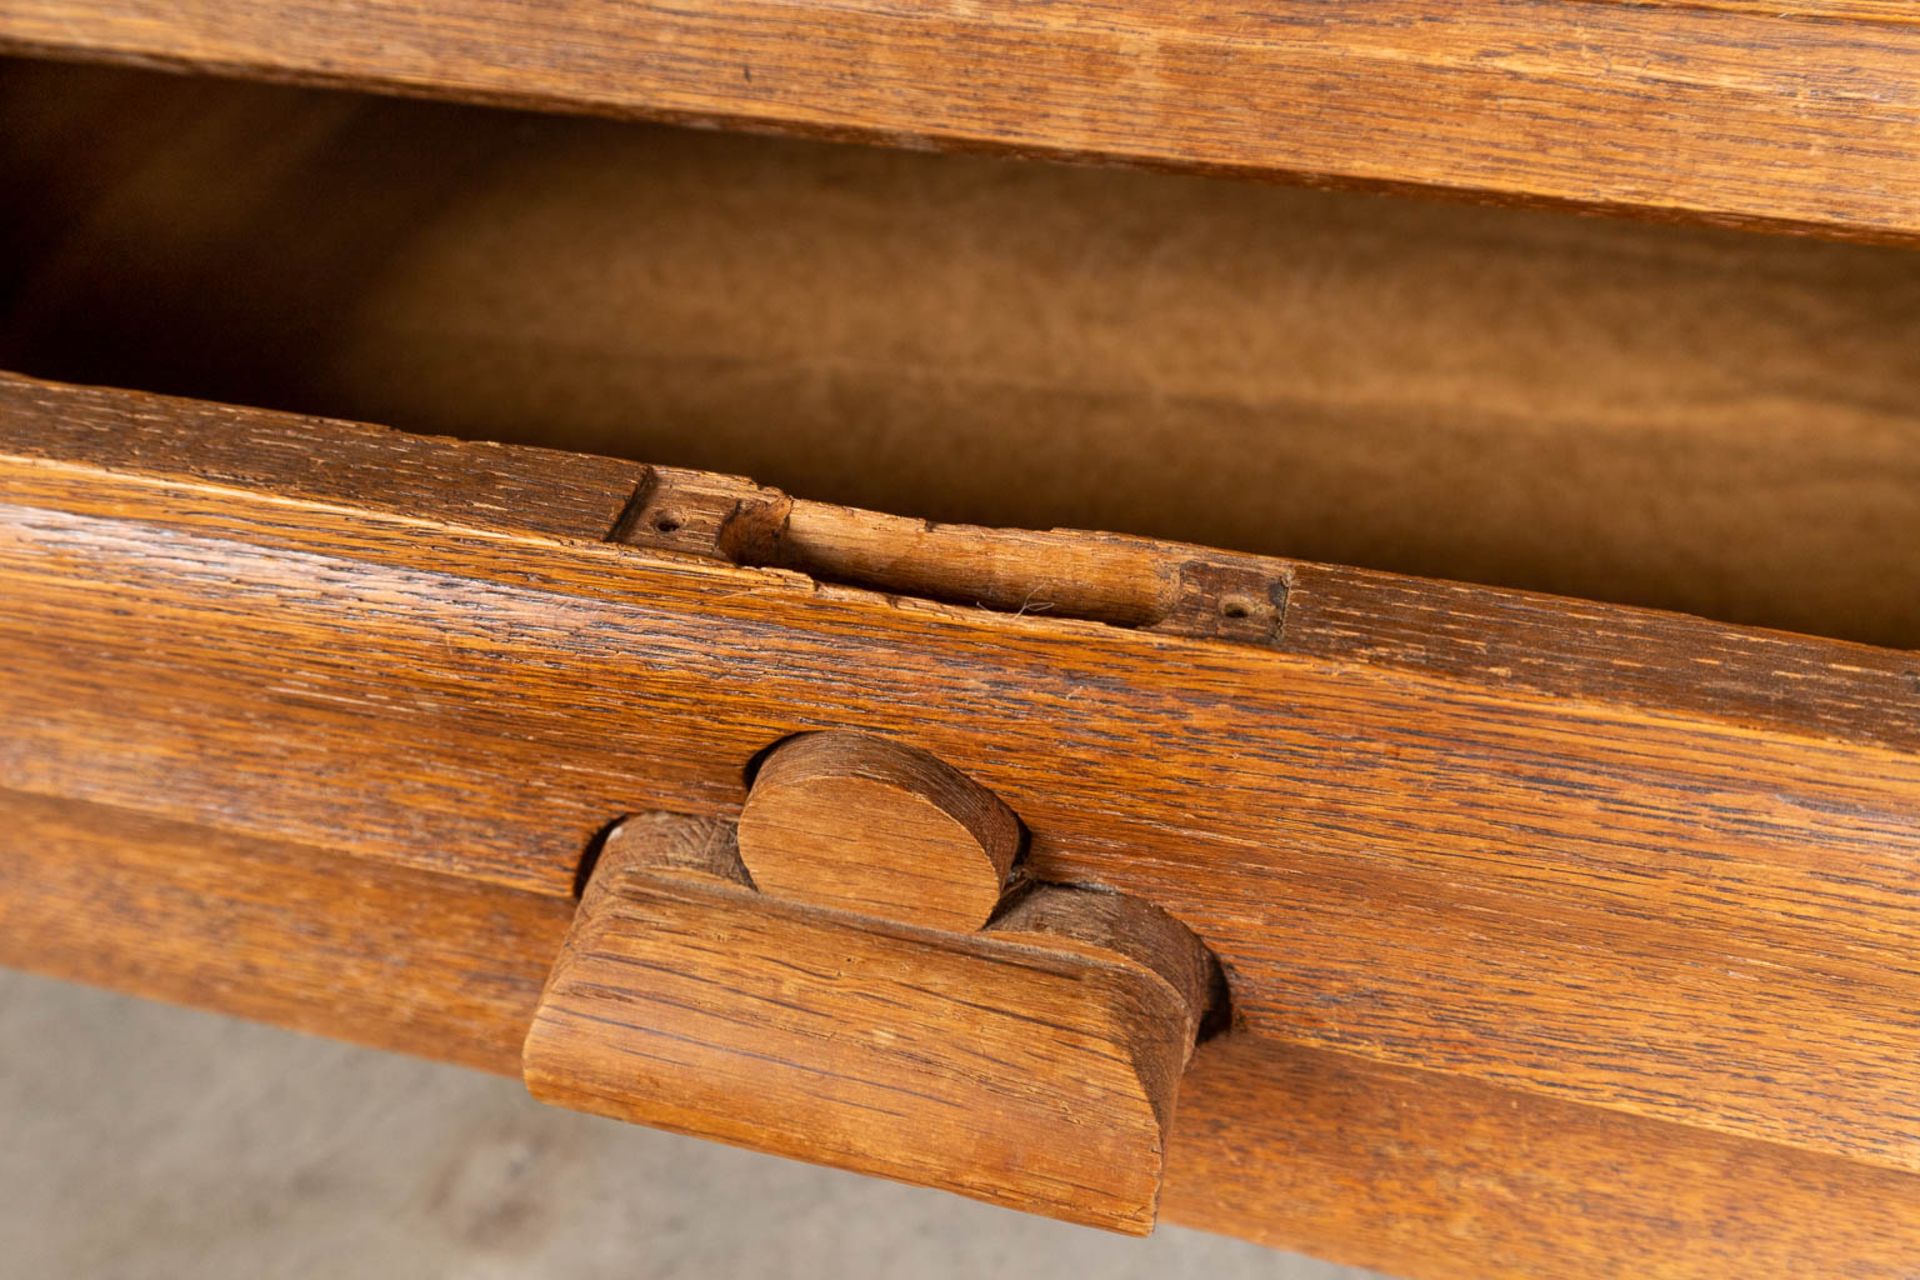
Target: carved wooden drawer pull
(849, 977)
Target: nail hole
(666, 522)
(1236, 607)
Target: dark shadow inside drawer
(1718, 422)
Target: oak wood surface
(1428, 1176)
(1687, 900)
(1004, 1065)
(356, 949)
(863, 824)
(1476, 1164)
(1805, 118)
(1692, 419)
(1415, 1173)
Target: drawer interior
(1718, 422)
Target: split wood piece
(865, 824)
(1112, 578)
(1035, 1068)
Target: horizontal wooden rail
(1803, 117)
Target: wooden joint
(1133, 583)
(1242, 599)
(846, 976)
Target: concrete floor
(138, 1140)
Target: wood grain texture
(351, 948)
(435, 480)
(1109, 927)
(1691, 419)
(1418, 1174)
(858, 823)
(1442, 1178)
(1733, 112)
(1693, 908)
(1013, 570)
(1001, 1067)
(1516, 639)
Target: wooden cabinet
(1524, 934)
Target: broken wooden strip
(1112, 578)
(1675, 910)
(1414, 1173)
(1121, 581)
(1038, 1077)
(1726, 113)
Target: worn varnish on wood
(1502, 855)
(1495, 396)
(854, 977)
(1429, 829)
(1035, 1063)
(1092, 577)
(1413, 1173)
(863, 824)
(1803, 117)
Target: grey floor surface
(138, 1140)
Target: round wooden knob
(859, 823)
